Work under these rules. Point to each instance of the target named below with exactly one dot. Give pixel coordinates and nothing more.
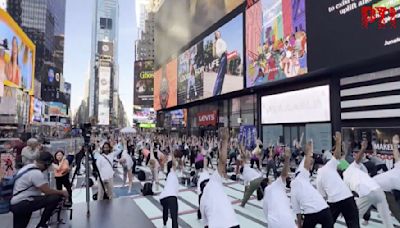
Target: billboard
(214, 65)
(144, 115)
(57, 108)
(37, 110)
(8, 103)
(354, 41)
(67, 93)
(276, 41)
(104, 95)
(105, 48)
(17, 54)
(165, 83)
(143, 83)
(178, 22)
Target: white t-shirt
(389, 180)
(220, 47)
(276, 206)
(250, 174)
(105, 164)
(171, 186)
(128, 159)
(204, 175)
(358, 180)
(31, 181)
(215, 205)
(305, 198)
(330, 184)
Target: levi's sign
(207, 118)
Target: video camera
(86, 132)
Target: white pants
(108, 186)
(378, 199)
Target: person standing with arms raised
(332, 187)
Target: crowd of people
(345, 185)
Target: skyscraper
(103, 85)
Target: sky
(77, 49)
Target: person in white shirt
(390, 181)
(127, 165)
(202, 181)
(306, 200)
(215, 206)
(276, 204)
(220, 51)
(252, 181)
(368, 190)
(104, 163)
(168, 197)
(333, 188)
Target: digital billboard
(178, 22)
(105, 48)
(214, 65)
(165, 83)
(143, 83)
(104, 95)
(17, 54)
(37, 110)
(349, 31)
(276, 41)
(57, 108)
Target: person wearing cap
(333, 188)
(276, 204)
(32, 192)
(368, 190)
(30, 152)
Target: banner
(207, 118)
(248, 134)
(144, 83)
(276, 41)
(165, 86)
(17, 54)
(104, 95)
(214, 65)
(178, 22)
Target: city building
(3, 4)
(103, 84)
(292, 80)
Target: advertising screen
(301, 106)
(214, 65)
(339, 35)
(57, 108)
(143, 83)
(178, 22)
(177, 117)
(276, 41)
(17, 53)
(37, 110)
(165, 86)
(104, 96)
(105, 48)
(144, 115)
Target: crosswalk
(250, 216)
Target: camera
(86, 132)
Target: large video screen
(165, 86)
(214, 65)
(17, 54)
(340, 37)
(143, 83)
(178, 22)
(276, 41)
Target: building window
(105, 23)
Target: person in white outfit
(127, 164)
(368, 190)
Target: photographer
(28, 190)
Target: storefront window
(379, 139)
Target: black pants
(382, 167)
(23, 210)
(170, 205)
(155, 156)
(231, 158)
(198, 210)
(348, 208)
(323, 217)
(64, 181)
(271, 165)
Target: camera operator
(27, 194)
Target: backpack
(7, 188)
(147, 189)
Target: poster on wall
(104, 96)
(276, 41)
(362, 35)
(143, 83)
(248, 134)
(178, 22)
(17, 53)
(214, 65)
(165, 83)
